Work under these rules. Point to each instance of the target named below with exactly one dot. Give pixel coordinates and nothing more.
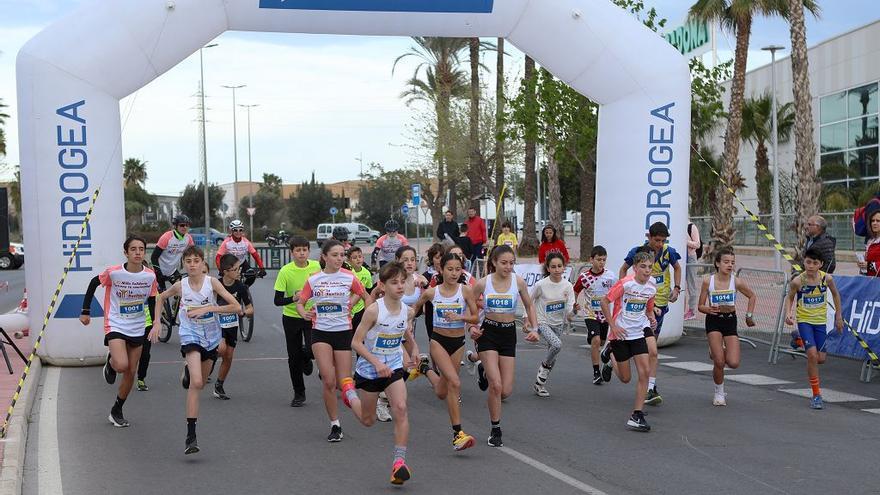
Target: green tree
(272, 184)
(382, 193)
(192, 203)
(707, 113)
(134, 172)
(268, 203)
(757, 128)
(310, 205)
(137, 200)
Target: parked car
(357, 232)
(14, 258)
(198, 234)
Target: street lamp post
(250, 169)
(204, 146)
(775, 140)
(235, 149)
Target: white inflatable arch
(72, 76)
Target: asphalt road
(764, 441)
(10, 295)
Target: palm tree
(474, 172)
(757, 128)
(3, 117)
(528, 245)
(444, 81)
(134, 172)
(499, 125)
(736, 16)
(805, 155)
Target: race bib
(228, 320)
(814, 302)
(635, 308)
(508, 244)
(499, 303)
(596, 303)
(388, 343)
(204, 319)
(658, 279)
(328, 309)
(554, 306)
(131, 309)
(442, 310)
(722, 298)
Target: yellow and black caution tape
(875, 360)
(30, 359)
(498, 210)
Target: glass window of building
(848, 135)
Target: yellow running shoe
(462, 441)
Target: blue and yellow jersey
(659, 271)
(812, 302)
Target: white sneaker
(719, 400)
(471, 366)
(383, 413)
(543, 373)
(540, 390)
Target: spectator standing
(869, 266)
(448, 227)
(551, 243)
(476, 232)
(694, 244)
(819, 240)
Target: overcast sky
(323, 100)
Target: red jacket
(557, 246)
(476, 231)
(872, 257)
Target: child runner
(631, 324)
(496, 338)
(553, 297)
(718, 302)
(664, 256)
(333, 292)
(435, 253)
(229, 267)
(297, 330)
(454, 305)
(507, 237)
(379, 367)
(355, 257)
(811, 289)
(596, 281)
(130, 293)
(199, 331)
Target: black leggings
(144, 363)
(298, 336)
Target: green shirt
(291, 279)
(366, 278)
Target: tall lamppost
(235, 149)
(775, 140)
(204, 146)
(250, 169)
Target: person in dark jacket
(819, 240)
(448, 227)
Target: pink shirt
(331, 294)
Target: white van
(357, 232)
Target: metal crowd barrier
(274, 257)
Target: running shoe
(346, 385)
(424, 364)
(653, 398)
(543, 373)
(471, 365)
(607, 371)
(816, 402)
(482, 381)
(142, 386)
(495, 438)
(797, 343)
(598, 379)
(184, 377)
(109, 372)
(219, 392)
(299, 399)
(689, 315)
(413, 374)
(637, 422)
(117, 420)
(399, 472)
(605, 355)
(462, 441)
(308, 366)
(540, 390)
(383, 412)
(192, 445)
(719, 400)
(335, 434)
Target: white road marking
(872, 411)
(690, 365)
(540, 466)
(749, 379)
(665, 356)
(49, 470)
(828, 395)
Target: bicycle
(246, 323)
(170, 310)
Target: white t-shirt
(388, 246)
(553, 301)
(597, 286)
(125, 299)
(331, 293)
(172, 251)
(631, 301)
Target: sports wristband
(749, 315)
(86, 311)
(677, 287)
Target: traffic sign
(251, 211)
(405, 210)
(416, 194)
(334, 210)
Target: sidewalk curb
(12, 469)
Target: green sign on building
(689, 37)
